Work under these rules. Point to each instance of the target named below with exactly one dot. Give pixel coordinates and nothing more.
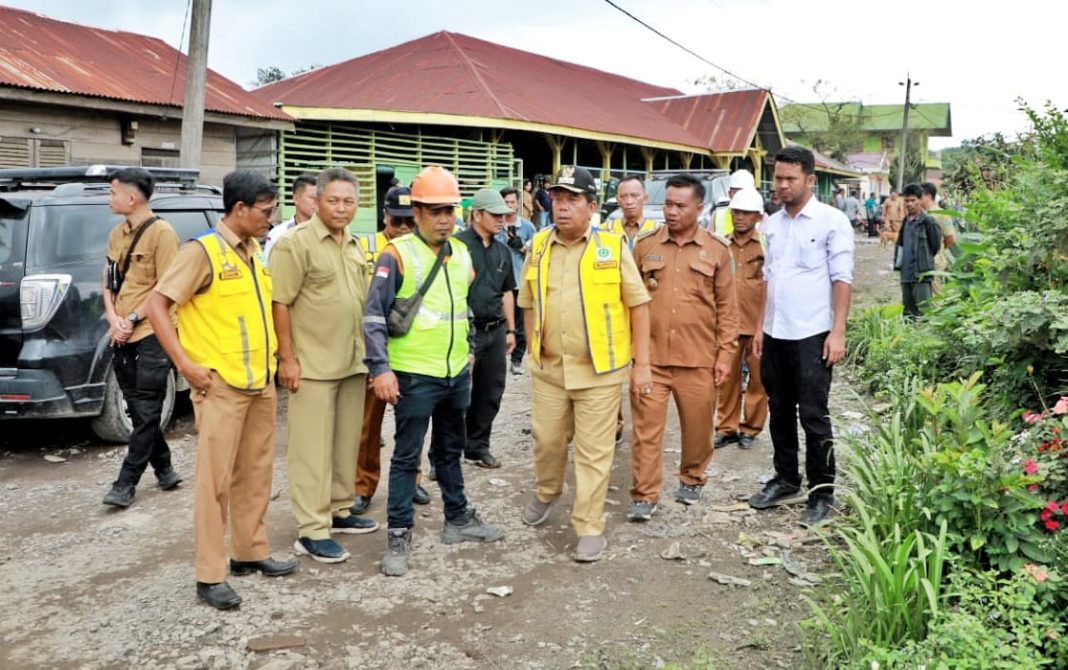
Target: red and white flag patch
(382, 271)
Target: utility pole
(196, 70)
(908, 84)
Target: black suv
(55, 361)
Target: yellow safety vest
(724, 222)
(436, 345)
(617, 228)
(228, 328)
(605, 317)
(372, 247)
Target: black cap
(399, 201)
(575, 179)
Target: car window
(61, 234)
(187, 224)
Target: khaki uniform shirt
(748, 282)
(565, 352)
(895, 212)
(151, 258)
(191, 271)
(693, 317)
(324, 284)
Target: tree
(269, 75)
(712, 83)
(833, 128)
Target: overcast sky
(979, 56)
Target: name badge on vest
(604, 259)
(230, 273)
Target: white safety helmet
(742, 179)
(748, 200)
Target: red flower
(1030, 467)
(1032, 487)
(1052, 525)
(1046, 515)
(1052, 506)
(1064, 507)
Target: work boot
(536, 512)
(470, 528)
(590, 548)
(168, 479)
(120, 495)
(398, 549)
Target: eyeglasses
(267, 211)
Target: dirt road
(82, 586)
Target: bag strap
(133, 245)
(446, 250)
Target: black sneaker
(723, 439)
(773, 494)
(420, 497)
(120, 495)
(360, 504)
(324, 551)
(168, 479)
(353, 525)
(818, 511)
(746, 441)
(641, 510)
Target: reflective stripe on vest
(619, 229)
(229, 328)
(606, 319)
(436, 345)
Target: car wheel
(114, 424)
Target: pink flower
(1062, 405)
(1046, 515)
(1052, 506)
(1032, 487)
(1031, 418)
(1038, 573)
(1052, 525)
(1030, 467)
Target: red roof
(37, 52)
(723, 122)
(450, 73)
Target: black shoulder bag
(116, 275)
(403, 310)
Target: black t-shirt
(493, 275)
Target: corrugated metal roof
(37, 52)
(450, 73)
(723, 122)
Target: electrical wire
(178, 58)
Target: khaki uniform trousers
(730, 395)
(325, 418)
(694, 395)
(235, 457)
(589, 417)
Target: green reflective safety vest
(436, 345)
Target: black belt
(487, 326)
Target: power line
(178, 58)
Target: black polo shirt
(493, 276)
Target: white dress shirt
(276, 233)
(803, 257)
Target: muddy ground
(82, 586)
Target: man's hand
(758, 343)
(509, 343)
(120, 330)
(289, 374)
(720, 373)
(833, 348)
(198, 376)
(641, 379)
(386, 388)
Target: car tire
(113, 424)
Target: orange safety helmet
(435, 185)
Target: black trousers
(798, 383)
(520, 333)
(487, 388)
(141, 368)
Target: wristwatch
(133, 318)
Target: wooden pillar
(556, 143)
(687, 158)
(606, 149)
(649, 155)
(722, 162)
